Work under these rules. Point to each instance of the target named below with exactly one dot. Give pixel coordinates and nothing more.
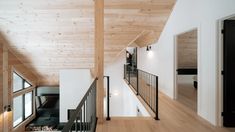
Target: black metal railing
(108, 100)
(145, 84)
(84, 118)
(131, 74)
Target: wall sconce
(7, 108)
(148, 48)
(115, 93)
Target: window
(28, 104)
(23, 102)
(19, 83)
(18, 111)
(26, 84)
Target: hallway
(174, 117)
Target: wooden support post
(99, 57)
(5, 87)
(1, 89)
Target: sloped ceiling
(49, 35)
(187, 49)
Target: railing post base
(156, 118)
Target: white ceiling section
(51, 35)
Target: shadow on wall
(12, 60)
(14, 51)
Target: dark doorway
(131, 65)
(229, 73)
(131, 56)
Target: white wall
(131, 103)
(74, 83)
(114, 70)
(123, 101)
(189, 14)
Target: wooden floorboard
(187, 95)
(174, 117)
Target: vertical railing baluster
(95, 101)
(157, 118)
(141, 84)
(80, 117)
(76, 124)
(124, 74)
(137, 82)
(92, 111)
(108, 117)
(84, 113)
(150, 83)
(129, 73)
(150, 92)
(145, 75)
(88, 113)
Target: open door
(229, 74)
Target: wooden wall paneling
(15, 65)
(187, 49)
(10, 63)
(6, 95)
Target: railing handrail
(137, 88)
(70, 123)
(142, 70)
(148, 73)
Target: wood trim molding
(23, 91)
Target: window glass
(22, 104)
(28, 104)
(26, 84)
(17, 110)
(17, 82)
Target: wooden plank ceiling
(187, 49)
(51, 35)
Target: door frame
(219, 77)
(176, 63)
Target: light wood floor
(174, 116)
(187, 95)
